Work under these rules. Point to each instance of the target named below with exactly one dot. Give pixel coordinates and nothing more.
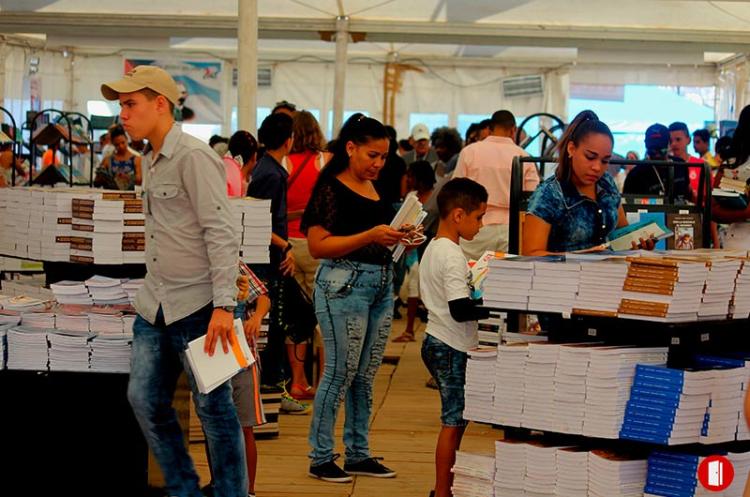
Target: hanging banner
(200, 84)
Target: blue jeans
(354, 306)
(157, 360)
(448, 366)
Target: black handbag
(293, 312)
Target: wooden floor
(405, 424)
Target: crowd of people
(332, 204)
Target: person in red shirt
(304, 163)
(679, 140)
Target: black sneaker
(329, 472)
(369, 467)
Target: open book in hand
(410, 214)
(623, 238)
(212, 371)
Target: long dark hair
(358, 129)
(741, 138)
(584, 124)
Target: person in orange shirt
(489, 163)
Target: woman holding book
(580, 205)
(347, 227)
(736, 167)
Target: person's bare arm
(324, 245)
(535, 236)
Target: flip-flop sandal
(307, 393)
(403, 338)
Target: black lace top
(343, 212)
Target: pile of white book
(106, 321)
(480, 384)
(69, 350)
(600, 287)
(554, 287)
(508, 283)
(572, 472)
(72, 318)
(724, 416)
(741, 463)
(57, 224)
(38, 319)
(473, 475)
(4, 343)
(71, 292)
(541, 469)
(14, 222)
(510, 468)
(254, 216)
(31, 288)
(608, 382)
(743, 431)
(510, 372)
(131, 288)
(539, 386)
(719, 290)
(741, 300)
(613, 474)
(27, 348)
(107, 291)
(111, 353)
(570, 387)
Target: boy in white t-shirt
(451, 326)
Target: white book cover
(212, 371)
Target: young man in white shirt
(445, 283)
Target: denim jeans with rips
(157, 360)
(354, 305)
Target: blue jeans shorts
(448, 366)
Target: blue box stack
(673, 475)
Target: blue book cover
(656, 384)
(637, 391)
(644, 437)
(653, 370)
(715, 362)
(668, 492)
(672, 468)
(656, 402)
(684, 482)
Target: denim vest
(577, 222)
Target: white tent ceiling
(536, 31)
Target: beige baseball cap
(151, 77)
(420, 132)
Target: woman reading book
(580, 205)
(347, 226)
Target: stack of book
(14, 235)
(134, 232)
(510, 468)
(554, 286)
(741, 463)
(28, 288)
(57, 224)
(743, 431)
(71, 292)
(572, 472)
(570, 387)
(539, 386)
(719, 291)
(510, 373)
(107, 291)
(38, 319)
(72, 318)
(613, 474)
(27, 348)
(106, 321)
(731, 184)
(541, 469)
(741, 300)
(480, 384)
(673, 474)
(36, 220)
(69, 350)
(474, 475)
(600, 287)
(608, 382)
(111, 354)
(724, 415)
(255, 218)
(662, 289)
(131, 288)
(508, 283)
(9, 317)
(127, 324)
(4, 343)
(98, 229)
(490, 330)
(667, 406)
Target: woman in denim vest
(577, 207)
(347, 227)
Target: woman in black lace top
(347, 226)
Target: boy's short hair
(460, 193)
(679, 126)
